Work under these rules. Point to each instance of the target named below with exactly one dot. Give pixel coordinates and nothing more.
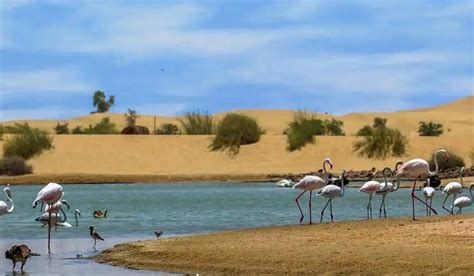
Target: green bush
(168, 129)
(197, 123)
(235, 130)
(430, 129)
(131, 117)
(27, 142)
(454, 161)
(105, 126)
(302, 129)
(379, 141)
(61, 128)
(14, 165)
(333, 127)
(100, 102)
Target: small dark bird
(19, 253)
(94, 235)
(100, 213)
(158, 234)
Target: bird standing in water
(94, 235)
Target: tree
(379, 141)
(131, 117)
(101, 103)
(430, 129)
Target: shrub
(27, 142)
(302, 129)
(14, 165)
(168, 129)
(105, 126)
(333, 127)
(379, 141)
(100, 102)
(61, 128)
(197, 123)
(235, 130)
(430, 129)
(131, 117)
(454, 161)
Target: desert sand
(111, 158)
(441, 245)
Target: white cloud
(40, 81)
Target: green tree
(379, 141)
(131, 117)
(430, 129)
(101, 103)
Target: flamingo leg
(330, 209)
(384, 211)
(452, 206)
(322, 211)
(413, 197)
(444, 202)
(297, 203)
(426, 203)
(310, 216)
(381, 204)
(431, 203)
(370, 205)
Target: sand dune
(185, 155)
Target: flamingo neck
(343, 176)
(398, 183)
(460, 175)
(65, 216)
(384, 172)
(9, 198)
(435, 159)
(326, 175)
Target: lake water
(136, 210)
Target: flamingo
(388, 187)
(310, 183)
(417, 167)
(57, 219)
(50, 194)
(285, 183)
(429, 193)
(463, 201)
(332, 191)
(453, 188)
(3, 205)
(371, 187)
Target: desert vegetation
(197, 123)
(430, 129)
(235, 130)
(131, 117)
(101, 103)
(105, 126)
(168, 129)
(27, 142)
(379, 141)
(61, 128)
(304, 126)
(14, 165)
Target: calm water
(136, 210)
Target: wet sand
(439, 244)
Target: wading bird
(49, 195)
(158, 234)
(463, 201)
(19, 253)
(387, 188)
(77, 213)
(100, 214)
(371, 187)
(452, 188)
(429, 193)
(3, 205)
(94, 235)
(310, 183)
(332, 191)
(417, 167)
(285, 183)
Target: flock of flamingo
(412, 168)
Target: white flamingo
(463, 201)
(332, 191)
(417, 167)
(49, 195)
(285, 183)
(452, 188)
(3, 205)
(429, 193)
(371, 187)
(310, 183)
(387, 188)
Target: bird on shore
(429, 193)
(452, 188)
(332, 191)
(94, 235)
(4, 209)
(371, 187)
(387, 188)
(158, 234)
(19, 253)
(417, 167)
(463, 201)
(310, 183)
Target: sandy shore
(440, 244)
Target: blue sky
(328, 56)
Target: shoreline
(39, 179)
(340, 247)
